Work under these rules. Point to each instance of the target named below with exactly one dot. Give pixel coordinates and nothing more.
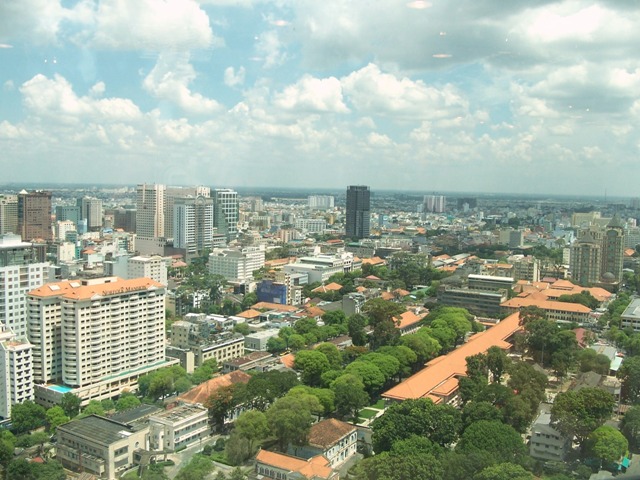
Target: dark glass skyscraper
(358, 211)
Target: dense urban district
(161, 332)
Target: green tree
(27, 416)
(126, 402)
(237, 449)
(70, 403)
(220, 404)
(6, 452)
(93, 408)
(332, 353)
(497, 363)
(252, 425)
(290, 419)
(403, 354)
(439, 423)
(630, 425)
(531, 313)
(356, 324)
(476, 411)
(504, 471)
(237, 474)
(495, 438)
(201, 374)
(629, 373)
(198, 468)
(108, 404)
(422, 344)
(276, 345)
(350, 395)
(580, 412)
(335, 317)
(388, 364)
(393, 467)
(312, 364)
(296, 342)
(607, 444)
(379, 310)
(371, 376)
(56, 417)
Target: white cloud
(313, 95)
(154, 25)
(376, 93)
(55, 99)
(233, 78)
(170, 80)
(271, 49)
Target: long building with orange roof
(438, 381)
(556, 311)
(96, 337)
(273, 465)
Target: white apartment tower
(8, 214)
(150, 201)
(236, 265)
(226, 212)
(153, 267)
(20, 272)
(193, 224)
(16, 380)
(91, 210)
(173, 193)
(95, 337)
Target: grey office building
(358, 211)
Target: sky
(441, 95)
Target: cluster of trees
(171, 380)
(414, 439)
(306, 331)
(583, 298)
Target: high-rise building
(586, 258)
(95, 337)
(21, 270)
(16, 379)
(34, 215)
(434, 203)
(68, 212)
(320, 202)
(150, 204)
(91, 210)
(62, 227)
(358, 212)
(226, 212)
(8, 214)
(193, 224)
(173, 193)
(613, 249)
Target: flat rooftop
(98, 429)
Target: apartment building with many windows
(95, 337)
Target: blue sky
(467, 95)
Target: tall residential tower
(358, 212)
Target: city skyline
(410, 95)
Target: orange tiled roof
(316, 467)
(331, 287)
(75, 290)
(440, 370)
(313, 311)
(328, 432)
(202, 392)
(288, 360)
(408, 318)
(251, 313)
(535, 300)
(374, 261)
(274, 306)
(387, 296)
(401, 292)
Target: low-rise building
(260, 361)
(335, 440)
(258, 340)
(547, 443)
(631, 315)
(480, 302)
(272, 465)
(100, 446)
(178, 427)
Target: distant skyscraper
(34, 215)
(358, 211)
(193, 224)
(68, 212)
(613, 249)
(91, 210)
(170, 196)
(150, 210)
(8, 214)
(226, 212)
(434, 203)
(320, 202)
